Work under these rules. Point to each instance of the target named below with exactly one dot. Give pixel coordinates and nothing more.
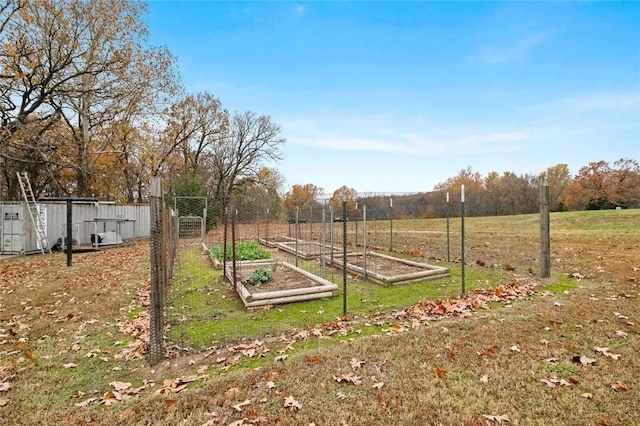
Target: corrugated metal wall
(17, 233)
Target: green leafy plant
(245, 250)
(259, 276)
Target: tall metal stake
(391, 224)
(462, 239)
(364, 240)
(448, 214)
(344, 251)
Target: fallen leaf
(612, 356)
(584, 360)
(238, 406)
(170, 404)
(70, 365)
(128, 412)
(619, 386)
(356, 364)
(349, 377)
(497, 419)
(587, 395)
(549, 383)
(515, 348)
(378, 385)
(484, 379)
(281, 357)
(4, 401)
(270, 384)
(439, 372)
(5, 386)
(620, 333)
(291, 403)
(313, 359)
(341, 396)
(120, 386)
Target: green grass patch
(561, 283)
(204, 309)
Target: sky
(401, 96)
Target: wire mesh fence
(320, 242)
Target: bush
(245, 250)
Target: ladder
(34, 212)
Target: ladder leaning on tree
(34, 212)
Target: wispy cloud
(417, 144)
(592, 102)
(515, 49)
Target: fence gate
(192, 216)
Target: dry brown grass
(459, 371)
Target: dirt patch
(384, 266)
(284, 278)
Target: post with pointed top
(462, 239)
(545, 237)
(344, 251)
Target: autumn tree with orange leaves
(602, 186)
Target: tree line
(598, 185)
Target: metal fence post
(156, 350)
(344, 251)
(545, 238)
(462, 238)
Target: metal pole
(156, 350)
(322, 246)
(448, 214)
(391, 224)
(297, 228)
(356, 217)
(344, 251)
(545, 237)
(364, 240)
(462, 239)
(331, 231)
(70, 233)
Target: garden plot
(308, 249)
(288, 284)
(390, 270)
(272, 242)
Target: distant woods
(598, 185)
(89, 108)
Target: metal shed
(111, 223)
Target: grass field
(566, 355)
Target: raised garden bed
(274, 241)
(308, 249)
(289, 284)
(390, 270)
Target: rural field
(517, 350)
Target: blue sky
(400, 96)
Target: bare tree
(250, 141)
